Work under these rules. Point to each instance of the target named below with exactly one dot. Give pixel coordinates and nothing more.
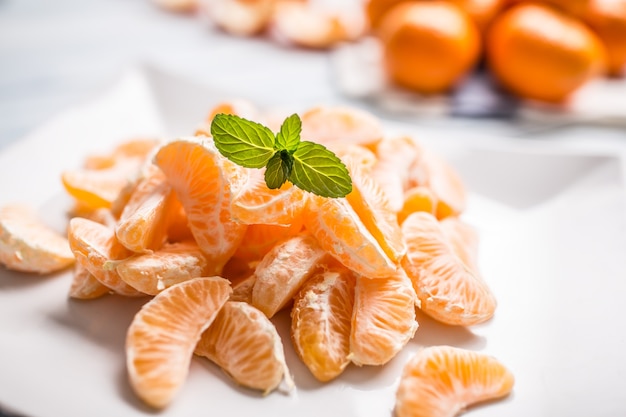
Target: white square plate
(553, 239)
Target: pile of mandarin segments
(216, 254)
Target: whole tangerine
(608, 20)
(540, 53)
(428, 46)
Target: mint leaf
(318, 170)
(244, 142)
(288, 137)
(278, 169)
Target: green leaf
(289, 135)
(244, 142)
(318, 170)
(278, 169)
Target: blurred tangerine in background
(541, 53)
(428, 46)
(541, 50)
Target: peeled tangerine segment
(321, 320)
(340, 232)
(153, 272)
(383, 319)
(85, 286)
(283, 270)
(341, 124)
(441, 381)
(140, 227)
(257, 204)
(204, 182)
(246, 345)
(372, 206)
(29, 245)
(447, 288)
(96, 248)
(163, 334)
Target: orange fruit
(204, 182)
(96, 248)
(383, 319)
(447, 288)
(418, 198)
(85, 286)
(321, 320)
(245, 344)
(482, 12)
(395, 157)
(346, 125)
(101, 181)
(441, 381)
(315, 25)
(237, 107)
(445, 183)
(608, 21)
(162, 336)
(28, 244)
(283, 270)
(539, 53)
(177, 222)
(340, 232)
(255, 203)
(464, 240)
(239, 17)
(140, 227)
(428, 47)
(376, 10)
(261, 238)
(153, 272)
(357, 154)
(371, 205)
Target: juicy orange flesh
(321, 322)
(443, 380)
(383, 319)
(163, 334)
(340, 232)
(246, 345)
(448, 290)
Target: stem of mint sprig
(307, 165)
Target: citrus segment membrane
(441, 381)
(163, 334)
(321, 321)
(246, 345)
(447, 288)
(27, 244)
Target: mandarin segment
(383, 319)
(340, 232)
(371, 205)
(283, 270)
(320, 322)
(395, 157)
(447, 289)
(204, 183)
(441, 381)
(418, 198)
(85, 286)
(261, 238)
(96, 248)
(28, 244)
(341, 124)
(163, 334)
(246, 345)
(258, 204)
(153, 272)
(140, 227)
(435, 173)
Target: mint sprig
(307, 165)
